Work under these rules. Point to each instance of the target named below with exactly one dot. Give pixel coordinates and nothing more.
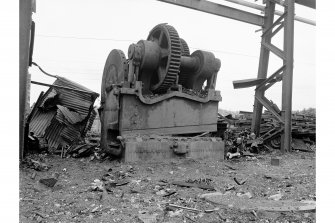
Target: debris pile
(303, 128)
(61, 116)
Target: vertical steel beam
(24, 35)
(262, 66)
(288, 76)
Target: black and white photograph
(168, 111)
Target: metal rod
(61, 87)
(262, 8)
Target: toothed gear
(185, 50)
(167, 74)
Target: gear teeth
(185, 50)
(174, 62)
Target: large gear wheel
(167, 72)
(185, 50)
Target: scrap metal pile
(61, 116)
(303, 128)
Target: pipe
(62, 87)
(262, 8)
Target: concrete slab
(155, 149)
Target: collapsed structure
(62, 115)
(160, 89)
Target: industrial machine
(161, 89)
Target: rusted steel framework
(270, 28)
(284, 73)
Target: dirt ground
(144, 191)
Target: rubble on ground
(182, 190)
(231, 129)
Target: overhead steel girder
(307, 3)
(220, 10)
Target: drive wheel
(115, 71)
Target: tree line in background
(305, 111)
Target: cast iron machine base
(160, 89)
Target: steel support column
(286, 21)
(288, 75)
(24, 25)
(262, 66)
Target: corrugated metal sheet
(53, 133)
(90, 121)
(70, 134)
(49, 94)
(75, 102)
(80, 102)
(40, 122)
(61, 118)
(72, 117)
(68, 83)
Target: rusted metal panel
(40, 122)
(53, 132)
(172, 116)
(63, 116)
(70, 134)
(80, 102)
(72, 117)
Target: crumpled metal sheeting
(49, 94)
(70, 134)
(90, 121)
(62, 81)
(80, 102)
(66, 117)
(53, 133)
(72, 117)
(75, 101)
(61, 118)
(40, 122)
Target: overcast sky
(74, 37)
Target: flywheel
(115, 71)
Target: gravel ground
(142, 192)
